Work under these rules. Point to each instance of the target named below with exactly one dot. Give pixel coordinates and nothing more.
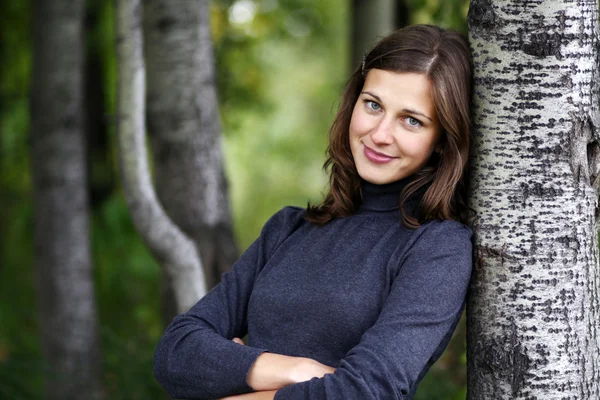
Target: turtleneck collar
(382, 198)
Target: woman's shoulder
(288, 215)
(285, 220)
(438, 234)
(445, 244)
(444, 228)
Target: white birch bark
(65, 285)
(533, 308)
(174, 251)
(185, 130)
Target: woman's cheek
(360, 123)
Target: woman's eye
(413, 122)
(372, 105)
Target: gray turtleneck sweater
(363, 294)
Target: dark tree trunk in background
(176, 253)
(185, 130)
(533, 308)
(371, 20)
(61, 228)
(102, 181)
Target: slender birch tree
(185, 131)
(169, 245)
(533, 307)
(65, 287)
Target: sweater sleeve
(426, 301)
(195, 358)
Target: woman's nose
(383, 132)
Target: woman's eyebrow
(409, 111)
(404, 110)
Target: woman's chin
(378, 179)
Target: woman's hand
(266, 395)
(307, 368)
(238, 341)
(273, 371)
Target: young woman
(356, 297)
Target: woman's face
(394, 127)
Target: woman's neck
(382, 198)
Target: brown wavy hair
(444, 57)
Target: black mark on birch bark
(165, 24)
(533, 247)
(593, 157)
(503, 359)
(579, 136)
(543, 45)
(536, 189)
(481, 17)
(566, 81)
(485, 252)
(561, 18)
(571, 243)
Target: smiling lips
(377, 158)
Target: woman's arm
(417, 320)
(196, 358)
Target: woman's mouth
(375, 157)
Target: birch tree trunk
(171, 247)
(533, 308)
(185, 130)
(372, 20)
(65, 287)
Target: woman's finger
(238, 341)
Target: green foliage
(278, 99)
(15, 58)
(126, 274)
(14, 50)
(12, 372)
(445, 13)
(21, 365)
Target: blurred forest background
(281, 65)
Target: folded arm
(417, 320)
(274, 371)
(196, 357)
